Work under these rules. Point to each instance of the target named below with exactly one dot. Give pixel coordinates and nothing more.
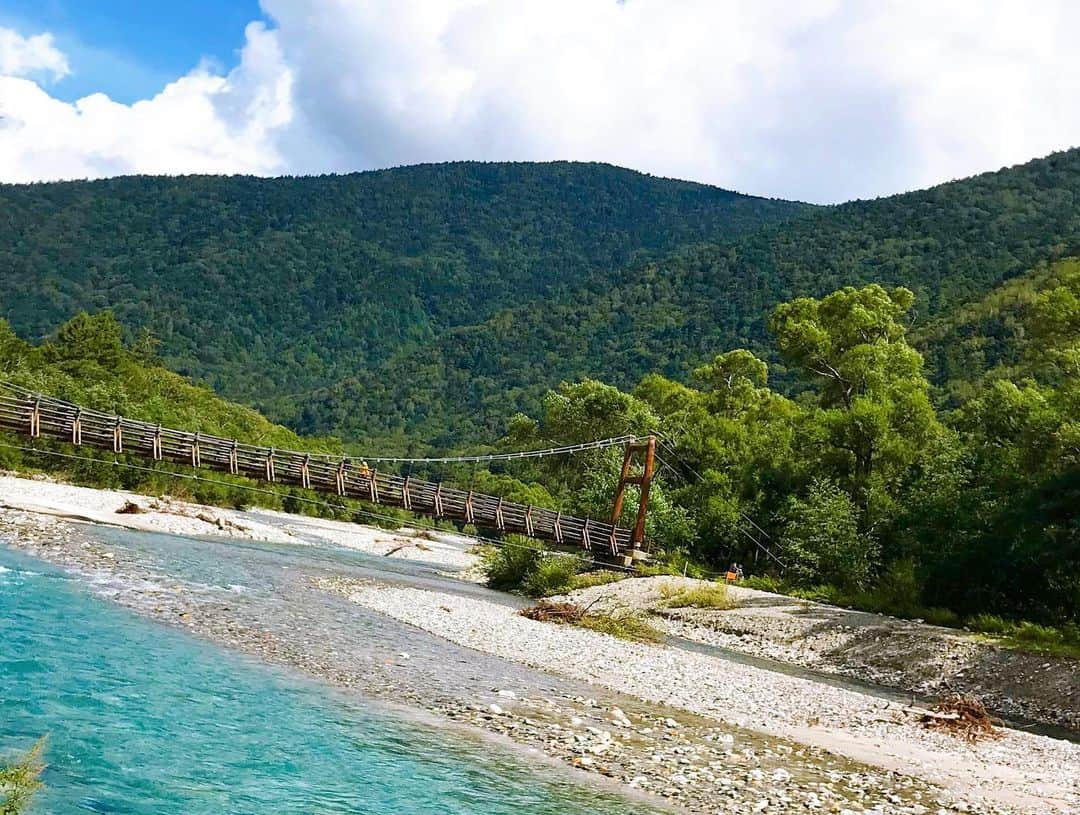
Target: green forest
(874, 403)
(354, 304)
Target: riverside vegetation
(20, 780)
(908, 448)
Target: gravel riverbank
(1020, 771)
(907, 655)
(43, 496)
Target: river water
(142, 718)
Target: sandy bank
(175, 517)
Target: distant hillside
(430, 303)
(269, 288)
(989, 338)
(951, 244)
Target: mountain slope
(268, 286)
(951, 244)
(432, 302)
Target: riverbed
(412, 636)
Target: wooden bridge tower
(640, 476)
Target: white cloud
(822, 100)
(29, 56)
(201, 123)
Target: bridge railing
(38, 416)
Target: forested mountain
(270, 288)
(428, 304)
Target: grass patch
(597, 577)
(624, 625)
(1026, 636)
(714, 595)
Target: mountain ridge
(431, 302)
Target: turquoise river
(144, 719)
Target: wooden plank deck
(38, 416)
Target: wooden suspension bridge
(42, 417)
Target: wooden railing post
(35, 419)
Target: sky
(815, 100)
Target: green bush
(552, 574)
(765, 582)
(507, 567)
(19, 781)
(945, 617)
(897, 593)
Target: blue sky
(130, 49)
(818, 100)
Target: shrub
(988, 624)
(764, 582)
(19, 781)
(941, 616)
(506, 567)
(530, 570)
(898, 592)
(551, 574)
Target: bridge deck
(37, 416)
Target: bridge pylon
(639, 474)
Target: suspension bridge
(39, 416)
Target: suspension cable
(599, 444)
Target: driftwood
(963, 715)
(547, 612)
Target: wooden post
(35, 419)
(620, 492)
(638, 537)
(341, 476)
